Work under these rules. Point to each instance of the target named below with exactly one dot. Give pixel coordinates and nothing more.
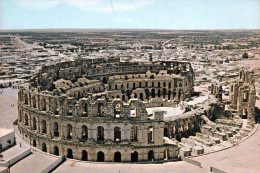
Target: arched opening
(34, 102)
(100, 156)
(56, 129)
(150, 134)
(84, 155)
(44, 147)
(152, 84)
(179, 95)
(151, 155)
(123, 97)
(117, 134)
(69, 131)
(34, 143)
(159, 93)
(141, 96)
(26, 121)
(117, 157)
(104, 80)
(20, 116)
(152, 77)
(166, 132)
(245, 97)
(44, 128)
(147, 94)
(128, 94)
(134, 132)
(34, 123)
(244, 114)
(174, 94)
(140, 84)
(25, 99)
(43, 104)
(133, 85)
(100, 110)
(164, 92)
(166, 154)
(55, 107)
(100, 134)
(153, 93)
(56, 151)
(84, 133)
(135, 95)
(169, 94)
(115, 86)
(159, 84)
(164, 84)
(69, 153)
(169, 85)
(134, 156)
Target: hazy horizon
(130, 14)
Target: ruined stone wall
(243, 96)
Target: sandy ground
(7, 113)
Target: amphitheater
(112, 111)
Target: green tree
(245, 56)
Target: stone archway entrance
(134, 156)
(117, 157)
(100, 156)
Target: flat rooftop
(35, 162)
(4, 131)
(12, 152)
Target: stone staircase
(214, 137)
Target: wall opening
(44, 147)
(84, 133)
(100, 156)
(69, 131)
(34, 143)
(56, 129)
(150, 135)
(26, 122)
(34, 123)
(44, 128)
(117, 134)
(134, 156)
(84, 155)
(117, 157)
(56, 151)
(151, 155)
(166, 132)
(100, 134)
(69, 153)
(134, 132)
(153, 93)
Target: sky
(130, 14)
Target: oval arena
(107, 110)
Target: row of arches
(135, 85)
(83, 133)
(100, 155)
(31, 101)
(150, 93)
(33, 123)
